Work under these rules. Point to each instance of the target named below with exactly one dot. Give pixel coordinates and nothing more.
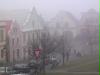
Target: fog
(48, 8)
(49, 37)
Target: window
(18, 53)
(29, 51)
(24, 52)
(1, 35)
(2, 53)
(24, 37)
(15, 30)
(13, 41)
(17, 40)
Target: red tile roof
(7, 24)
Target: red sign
(37, 53)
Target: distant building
(31, 33)
(63, 21)
(88, 39)
(4, 30)
(23, 32)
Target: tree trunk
(63, 56)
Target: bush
(2, 63)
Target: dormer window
(15, 30)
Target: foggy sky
(49, 8)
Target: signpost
(37, 53)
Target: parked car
(5, 70)
(21, 68)
(52, 61)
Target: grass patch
(85, 64)
(86, 67)
(72, 74)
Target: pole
(63, 50)
(44, 72)
(44, 53)
(63, 57)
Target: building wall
(4, 28)
(27, 39)
(15, 38)
(30, 38)
(2, 42)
